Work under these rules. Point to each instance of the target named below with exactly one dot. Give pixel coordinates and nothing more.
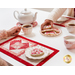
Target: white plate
(45, 50)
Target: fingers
(47, 22)
(42, 26)
(51, 24)
(14, 31)
(17, 30)
(14, 34)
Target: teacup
(71, 28)
(69, 42)
(27, 28)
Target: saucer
(33, 24)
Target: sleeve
(3, 34)
(56, 13)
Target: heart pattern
(17, 44)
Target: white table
(7, 21)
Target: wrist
(8, 33)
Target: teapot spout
(34, 18)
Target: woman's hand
(14, 31)
(2, 62)
(47, 22)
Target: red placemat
(63, 22)
(15, 48)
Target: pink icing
(50, 32)
(36, 51)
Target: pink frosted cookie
(51, 32)
(36, 52)
(47, 27)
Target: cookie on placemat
(36, 52)
(43, 52)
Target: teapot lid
(25, 11)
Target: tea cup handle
(15, 15)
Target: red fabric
(19, 46)
(23, 61)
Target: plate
(45, 50)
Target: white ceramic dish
(69, 42)
(27, 30)
(25, 16)
(71, 28)
(28, 52)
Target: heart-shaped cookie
(36, 52)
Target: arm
(11, 32)
(3, 34)
(53, 16)
(3, 62)
(56, 13)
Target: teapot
(25, 17)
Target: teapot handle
(15, 15)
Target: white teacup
(69, 42)
(27, 28)
(71, 28)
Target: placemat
(16, 46)
(62, 23)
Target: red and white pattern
(17, 44)
(14, 48)
(51, 32)
(37, 52)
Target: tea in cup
(27, 28)
(71, 28)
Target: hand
(47, 22)
(3, 63)
(14, 31)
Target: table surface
(7, 21)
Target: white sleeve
(56, 13)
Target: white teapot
(25, 17)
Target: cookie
(51, 32)
(36, 52)
(47, 27)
